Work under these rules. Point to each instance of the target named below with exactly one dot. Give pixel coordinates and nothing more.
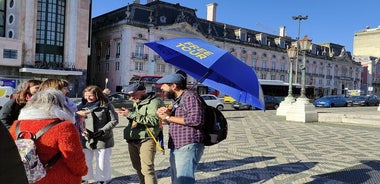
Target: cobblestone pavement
(264, 148)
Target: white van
(6, 93)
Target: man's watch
(167, 117)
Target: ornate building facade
(118, 50)
(45, 39)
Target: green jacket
(144, 113)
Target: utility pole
(299, 18)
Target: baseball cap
(172, 78)
(132, 88)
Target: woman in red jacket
(45, 107)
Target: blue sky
(334, 21)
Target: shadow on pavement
(242, 176)
(226, 164)
(367, 172)
(259, 174)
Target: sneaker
(85, 182)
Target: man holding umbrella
(184, 119)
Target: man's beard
(170, 95)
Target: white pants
(102, 164)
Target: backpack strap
(46, 128)
(18, 128)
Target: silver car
(213, 101)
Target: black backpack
(215, 125)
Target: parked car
(371, 100)
(228, 99)
(271, 102)
(213, 101)
(119, 100)
(331, 101)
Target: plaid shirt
(190, 107)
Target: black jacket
(9, 112)
(11, 167)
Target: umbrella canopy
(213, 67)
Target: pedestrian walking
(184, 117)
(10, 111)
(142, 131)
(45, 107)
(97, 136)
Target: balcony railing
(136, 55)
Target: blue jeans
(184, 161)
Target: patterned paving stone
(264, 148)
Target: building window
(263, 76)
(264, 64)
(50, 30)
(139, 66)
(11, 3)
(108, 50)
(254, 63)
(283, 66)
(9, 54)
(11, 19)
(273, 65)
(98, 67)
(107, 67)
(11, 33)
(139, 49)
(117, 66)
(2, 18)
(117, 49)
(161, 68)
(99, 50)
(282, 77)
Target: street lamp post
(286, 104)
(302, 110)
(292, 54)
(304, 45)
(299, 18)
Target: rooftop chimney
(211, 11)
(136, 1)
(282, 31)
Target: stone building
(45, 39)
(366, 49)
(118, 50)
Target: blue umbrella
(213, 67)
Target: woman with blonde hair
(10, 111)
(97, 135)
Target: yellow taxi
(228, 99)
